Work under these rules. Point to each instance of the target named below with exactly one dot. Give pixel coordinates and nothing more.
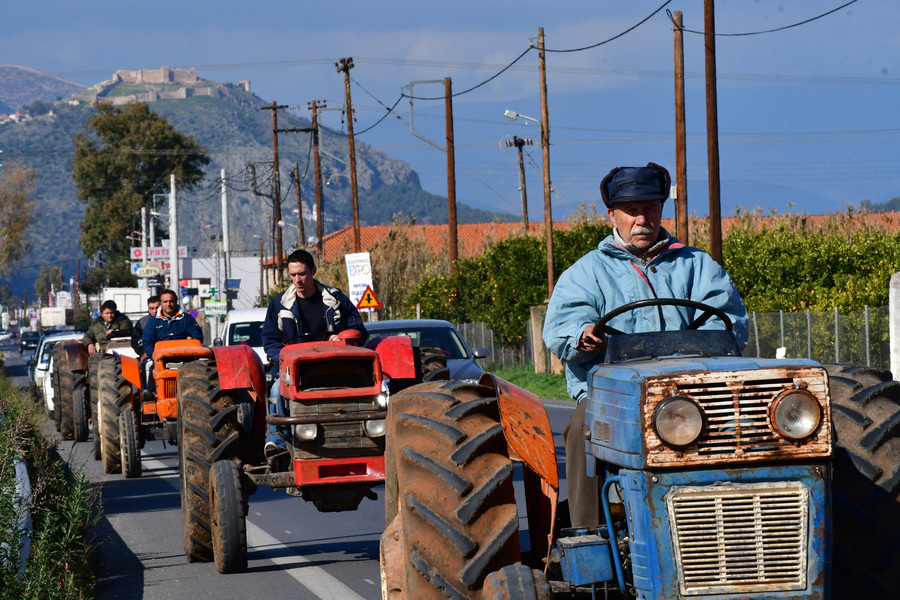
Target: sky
(808, 115)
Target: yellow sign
(369, 299)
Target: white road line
(316, 579)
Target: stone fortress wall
(184, 77)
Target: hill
(228, 121)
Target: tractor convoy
(722, 476)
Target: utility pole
(681, 197)
(320, 218)
(262, 270)
(173, 238)
(712, 133)
(226, 247)
(518, 142)
(545, 147)
(299, 204)
(452, 238)
(276, 191)
(344, 66)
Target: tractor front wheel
(516, 582)
(131, 449)
(80, 418)
(93, 381)
(115, 393)
(449, 484)
(229, 525)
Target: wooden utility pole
(712, 133)
(545, 148)
(320, 218)
(262, 270)
(344, 65)
(452, 238)
(681, 196)
(276, 192)
(518, 142)
(299, 204)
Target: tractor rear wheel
(208, 431)
(80, 419)
(131, 449)
(63, 400)
(866, 413)
(115, 393)
(452, 487)
(93, 379)
(516, 582)
(229, 524)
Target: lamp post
(548, 218)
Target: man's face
(638, 222)
(152, 307)
(302, 278)
(169, 305)
(108, 315)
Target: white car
(244, 326)
(41, 363)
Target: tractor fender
(239, 367)
(396, 356)
(76, 356)
(526, 428)
(131, 370)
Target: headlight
(678, 421)
(795, 414)
(385, 395)
(375, 428)
(306, 431)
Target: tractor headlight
(795, 414)
(306, 431)
(678, 421)
(375, 428)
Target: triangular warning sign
(369, 299)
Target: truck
(722, 477)
(131, 302)
(54, 317)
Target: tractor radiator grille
(740, 539)
(736, 406)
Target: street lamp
(512, 115)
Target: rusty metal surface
(76, 355)
(336, 417)
(392, 557)
(736, 406)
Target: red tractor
(337, 394)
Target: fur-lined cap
(631, 184)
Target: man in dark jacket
(111, 324)
(171, 323)
(305, 312)
(137, 342)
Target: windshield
(429, 337)
(249, 333)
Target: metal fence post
(837, 343)
(808, 335)
(756, 333)
(868, 359)
(781, 326)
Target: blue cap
(632, 184)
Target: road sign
(147, 271)
(369, 299)
(359, 275)
(216, 308)
(156, 252)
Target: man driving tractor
(170, 323)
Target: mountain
(229, 121)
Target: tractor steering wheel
(707, 311)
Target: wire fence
(861, 338)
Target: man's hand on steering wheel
(589, 342)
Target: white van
(244, 326)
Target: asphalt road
(294, 550)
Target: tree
(47, 280)
(16, 213)
(124, 157)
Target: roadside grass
(64, 508)
(546, 385)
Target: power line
(749, 33)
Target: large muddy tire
(516, 582)
(93, 379)
(208, 431)
(115, 394)
(229, 524)
(130, 443)
(434, 364)
(452, 490)
(866, 414)
(80, 414)
(63, 395)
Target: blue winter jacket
(610, 276)
(182, 324)
(282, 324)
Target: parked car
(433, 333)
(244, 326)
(5, 336)
(28, 341)
(39, 363)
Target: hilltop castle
(172, 84)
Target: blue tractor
(723, 477)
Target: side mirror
(482, 352)
(32, 362)
(218, 342)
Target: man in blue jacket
(305, 312)
(169, 323)
(639, 261)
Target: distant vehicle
(39, 364)
(433, 333)
(28, 341)
(5, 336)
(244, 326)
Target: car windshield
(45, 353)
(249, 333)
(30, 335)
(429, 337)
